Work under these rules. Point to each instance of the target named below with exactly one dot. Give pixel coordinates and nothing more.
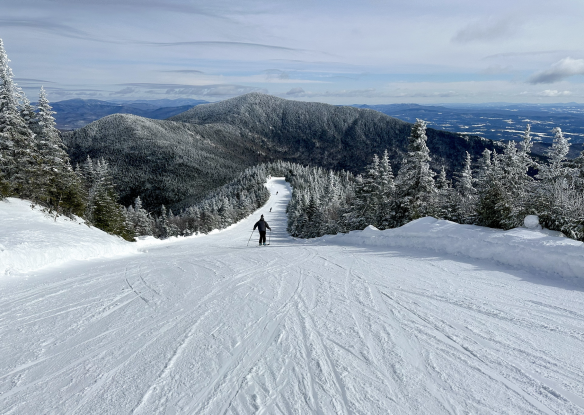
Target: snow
(531, 222)
(30, 239)
(532, 249)
(334, 325)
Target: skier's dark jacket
(261, 225)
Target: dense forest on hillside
(334, 137)
(163, 162)
(495, 191)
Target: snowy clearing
(30, 239)
(206, 325)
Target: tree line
(499, 190)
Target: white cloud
(559, 71)
(554, 93)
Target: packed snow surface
(31, 239)
(208, 325)
(534, 249)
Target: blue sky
(340, 52)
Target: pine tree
(517, 182)
(18, 159)
(386, 195)
(559, 205)
(140, 220)
(28, 114)
(446, 203)
(491, 201)
(466, 206)
(415, 180)
(63, 188)
(102, 209)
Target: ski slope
(207, 325)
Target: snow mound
(30, 239)
(531, 222)
(539, 250)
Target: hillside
(163, 162)
(338, 137)
(176, 161)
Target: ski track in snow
(207, 325)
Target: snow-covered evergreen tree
(102, 209)
(18, 159)
(490, 191)
(466, 200)
(140, 221)
(63, 188)
(559, 204)
(386, 195)
(415, 180)
(446, 202)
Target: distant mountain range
(495, 121)
(176, 161)
(76, 113)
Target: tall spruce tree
(415, 180)
(466, 200)
(559, 205)
(63, 189)
(386, 195)
(446, 206)
(18, 158)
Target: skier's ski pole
(250, 237)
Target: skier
(270, 209)
(262, 225)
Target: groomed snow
(31, 239)
(538, 250)
(208, 325)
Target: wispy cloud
(216, 90)
(487, 31)
(184, 71)
(214, 9)
(524, 54)
(554, 93)
(51, 27)
(126, 91)
(559, 71)
(32, 81)
(218, 43)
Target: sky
(339, 52)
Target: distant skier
(276, 193)
(262, 225)
(270, 209)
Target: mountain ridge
(177, 161)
